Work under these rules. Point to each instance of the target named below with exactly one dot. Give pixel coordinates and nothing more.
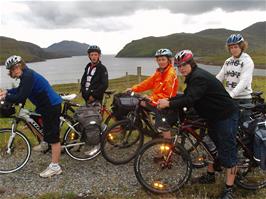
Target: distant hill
(29, 51)
(208, 45)
(68, 48)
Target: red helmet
(183, 57)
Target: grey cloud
(50, 14)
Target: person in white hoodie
(237, 70)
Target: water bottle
(211, 146)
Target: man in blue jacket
(48, 103)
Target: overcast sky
(112, 24)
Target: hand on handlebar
(2, 94)
(128, 90)
(163, 103)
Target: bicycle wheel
(18, 155)
(76, 148)
(249, 176)
(162, 167)
(121, 142)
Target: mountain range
(208, 45)
(32, 52)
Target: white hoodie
(237, 72)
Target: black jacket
(207, 95)
(98, 84)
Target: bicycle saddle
(110, 92)
(69, 97)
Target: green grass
(189, 191)
(119, 84)
(259, 60)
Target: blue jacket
(36, 88)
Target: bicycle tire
(2, 152)
(249, 172)
(77, 153)
(150, 186)
(124, 152)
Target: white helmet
(13, 60)
(163, 52)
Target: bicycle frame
(190, 127)
(139, 115)
(24, 116)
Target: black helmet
(94, 48)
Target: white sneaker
(49, 172)
(94, 150)
(43, 146)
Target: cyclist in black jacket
(209, 98)
(94, 83)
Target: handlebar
(72, 103)
(140, 97)
(108, 93)
(256, 94)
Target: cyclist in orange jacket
(163, 84)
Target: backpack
(123, 103)
(260, 144)
(89, 119)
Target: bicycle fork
(11, 138)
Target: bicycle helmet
(13, 60)
(183, 57)
(163, 52)
(234, 39)
(94, 48)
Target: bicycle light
(72, 136)
(110, 136)
(164, 148)
(200, 158)
(158, 185)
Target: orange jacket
(163, 84)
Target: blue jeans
(223, 133)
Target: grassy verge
(259, 60)
(188, 192)
(119, 84)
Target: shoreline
(200, 60)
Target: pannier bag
(260, 144)
(6, 109)
(122, 104)
(90, 120)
